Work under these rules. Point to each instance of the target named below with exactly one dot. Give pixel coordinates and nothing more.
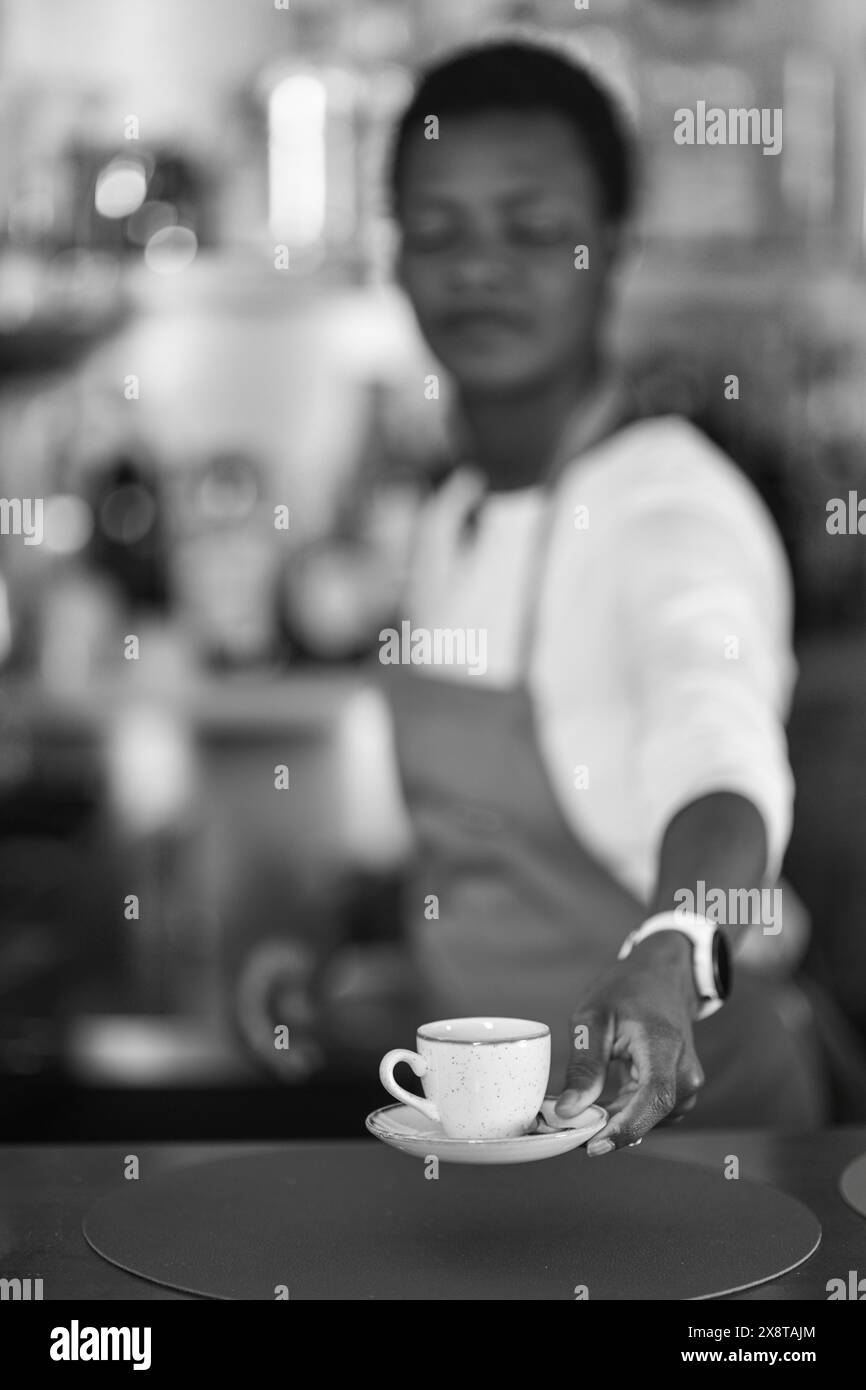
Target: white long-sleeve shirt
(662, 667)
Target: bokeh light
(170, 250)
(121, 188)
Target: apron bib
(509, 914)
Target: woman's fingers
(690, 1079)
(655, 1054)
(592, 1038)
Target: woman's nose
(482, 268)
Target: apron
(509, 914)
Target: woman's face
(491, 213)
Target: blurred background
(207, 375)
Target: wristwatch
(711, 957)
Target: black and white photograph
(432, 669)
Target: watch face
(721, 964)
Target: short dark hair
(524, 75)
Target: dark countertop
(46, 1190)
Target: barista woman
(623, 746)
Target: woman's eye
(428, 233)
(538, 229)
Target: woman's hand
(639, 1013)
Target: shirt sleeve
(708, 605)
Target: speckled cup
(483, 1078)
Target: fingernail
(600, 1146)
(569, 1103)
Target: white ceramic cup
(483, 1078)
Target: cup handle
(419, 1067)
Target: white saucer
(412, 1133)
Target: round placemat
(360, 1221)
(852, 1184)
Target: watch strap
(701, 931)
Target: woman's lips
(481, 321)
